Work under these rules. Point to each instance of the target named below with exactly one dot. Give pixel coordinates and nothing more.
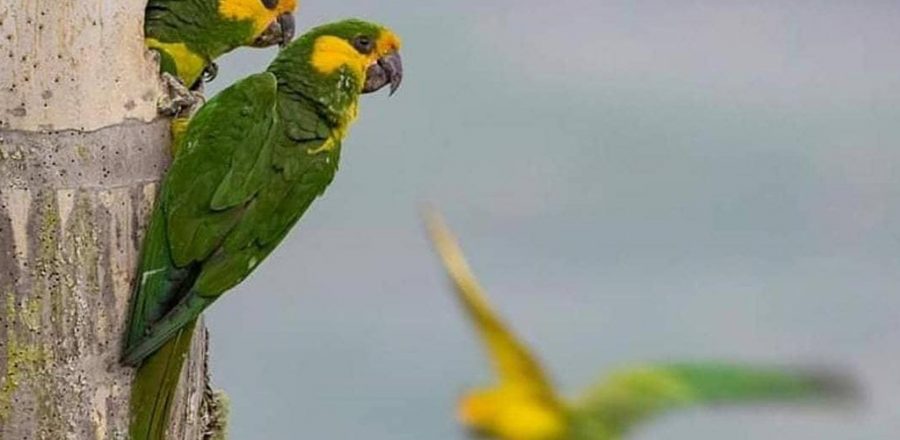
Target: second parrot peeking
(190, 34)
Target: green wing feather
(226, 202)
(224, 158)
(634, 395)
(238, 184)
(211, 168)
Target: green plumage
(244, 174)
(155, 384)
(196, 24)
(635, 395)
(524, 405)
(249, 165)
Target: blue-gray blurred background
(631, 181)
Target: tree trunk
(81, 154)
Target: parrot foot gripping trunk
(178, 100)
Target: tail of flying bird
(639, 394)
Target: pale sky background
(631, 181)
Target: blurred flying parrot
(525, 406)
(190, 34)
(251, 162)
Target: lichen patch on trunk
(73, 207)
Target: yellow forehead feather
(387, 42)
(255, 11)
(330, 53)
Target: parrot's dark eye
(363, 44)
(270, 4)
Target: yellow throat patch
(188, 64)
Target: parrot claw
(178, 100)
(210, 72)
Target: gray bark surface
(81, 155)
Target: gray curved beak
(280, 32)
(387, 70)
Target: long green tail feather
(157, 282)
(161, 295)
(154, 342)
(154, 387)
(637, 394)
(160, 331)
(723, 383)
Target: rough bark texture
(74, 64)
(81, 154)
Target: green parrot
(250, 163)
(526, 406)
(190, 34)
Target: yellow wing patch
(524, 406)
(189, 65)
(255, 11)
(531, 422)
(515, 365)
(509, 416)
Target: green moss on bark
(24, 360)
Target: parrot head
(273, 20)
(347, 57)
(370, 51)
(505, 414)
(190, 35)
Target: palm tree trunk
(81, 154)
